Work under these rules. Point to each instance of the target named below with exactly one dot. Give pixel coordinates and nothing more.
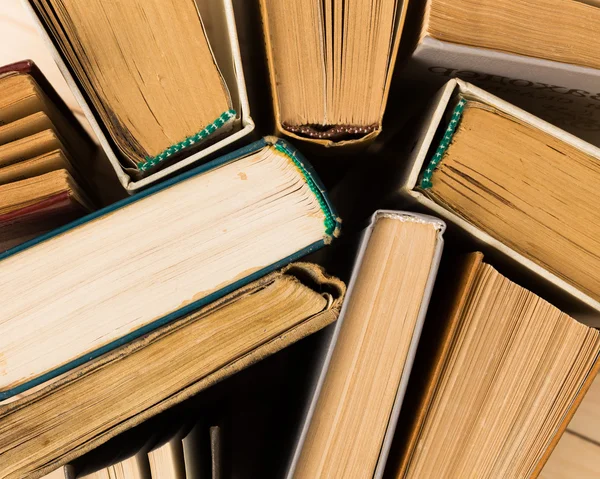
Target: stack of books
(466, 336)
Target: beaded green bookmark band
(443, 146)
(330, 221)
(150, 162)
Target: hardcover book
(46, 158)
(175, 100)
(507, 375)
(117, 274)
(539, 55)
(331, 65)
(365, 368)
(515, 184)
(78, 412)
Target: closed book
(54, 110)
(365, 365)
(519, 51)
(436, 140)
(344, 55)
(125, 270)
(46, 159)
(504, 378)
(80, 411)
(210, 27)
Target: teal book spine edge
(295, 156)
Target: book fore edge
(426, 179)
(331, 222)
(150, 162)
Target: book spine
(567, 96)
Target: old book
(516, 184)
(169, 97)
(80, 411)
(25, 126)
(52, 209)
(156, 257)
(509, 373)
(30, 105)
(539, 55)
(352, 417)
(331, 65)
(45, 158)
(167, 459)
(506, 177)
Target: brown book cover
(24, 439)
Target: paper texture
(462, 288)
(308, 274)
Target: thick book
(514, 209)
(46, 158)
(172, 99)
(331, 65)
(508, 372)
(521, 51)
(75, 414)
(364, 371)
(99, 282)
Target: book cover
(565, 95)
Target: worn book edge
(332, 226)
(309, 274)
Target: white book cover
(219, 22)
(333, 332)
(573, 301)
(565, 95)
